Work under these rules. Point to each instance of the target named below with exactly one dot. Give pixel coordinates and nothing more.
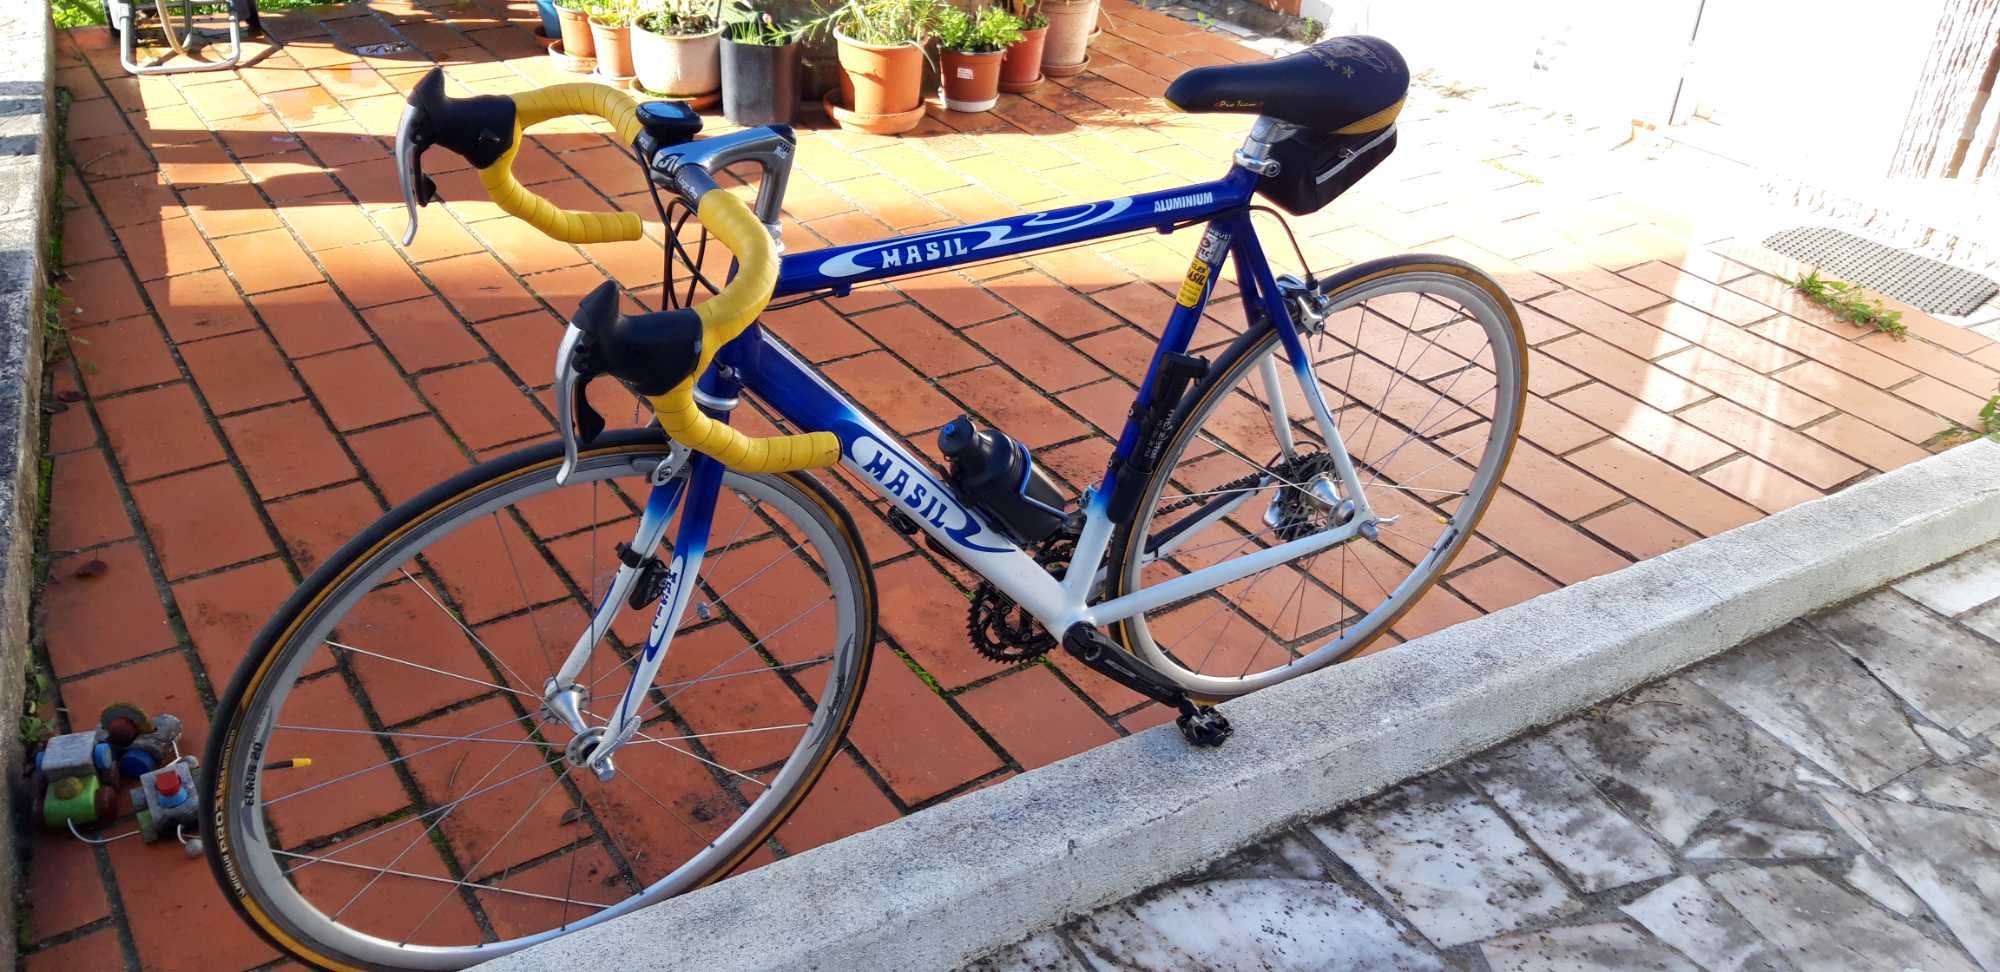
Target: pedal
(1205, 726)
(1201, 724)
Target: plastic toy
(166, 804)
(75, 779)
(143, 745)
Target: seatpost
(1255, 154)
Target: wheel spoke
(472, 736)
(521, 586)
(474, 869)
(1415, 370)
(476, 642)
(434, 879)
(330, 643)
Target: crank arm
(1201, 724)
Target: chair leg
(124, 19)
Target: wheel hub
(564, 704)
(1311, 501)
(585, 745)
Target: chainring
(1001, 630)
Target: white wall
(1618, 60)
(1810, 87)
(1823, 85)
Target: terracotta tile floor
(261, 369)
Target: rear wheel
(389, 790)
(1422, 364)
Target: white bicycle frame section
(806, 400)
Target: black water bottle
(1000, 476)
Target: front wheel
(387, 788)
(1422, 366)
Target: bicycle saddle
(1345, 85)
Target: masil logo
(664, 616)
(926, 498)
(914, 253)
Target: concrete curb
(27, 164)
(938, 888)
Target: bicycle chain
(1313, 464)
(1001, 631)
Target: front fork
(695, 494)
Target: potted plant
(573, 20)
(1021, 69)
(970, 46)
(611, 34)
(551, 28)
(1065, 52)
(760, 69)
(880, 47)
(675, 48)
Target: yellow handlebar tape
(555, 101)
(723, 317)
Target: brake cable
(1312, 281)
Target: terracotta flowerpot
(894, 123)
(1064, 51)
(1021, 68)
(568, 62)
(971, 81)
(614, 50)
(678, 66)
(576, 39)
(878, 80)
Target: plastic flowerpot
(679, 66)
(760, 83)
(971, 81)
(551, 22)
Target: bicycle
(445, 672)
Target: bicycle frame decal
(914, 487)
(808, 401)
(841, 267)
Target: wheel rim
(477, 874)
(1414, 332)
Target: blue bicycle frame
(757, 362)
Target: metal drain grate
(1923, 283)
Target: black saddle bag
(1312, 169)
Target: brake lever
(578, 421)
(419, 190)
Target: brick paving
(260, 369)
